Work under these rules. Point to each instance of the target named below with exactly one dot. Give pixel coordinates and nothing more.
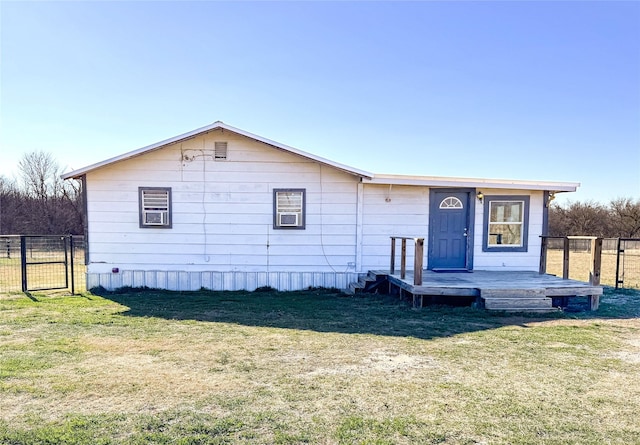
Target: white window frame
(150, 211)
(493, 246)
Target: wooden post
(417, 261)
(595, 271)
(596, 262)
(565, 260)
(544, 247)
(594, 302)
(418, 258)
(403, 259)
(392, 266)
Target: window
(155, 207)
(506, 223)
(451, 202)
(288, 208)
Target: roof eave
(433, 181)
(215, 126)
(337, 165)
(140, 151)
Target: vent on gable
(220, 151)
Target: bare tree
(579, 218)
(9, 198)
(40, 175)
(620, 218)
(625, 217)
(49, 205)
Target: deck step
(517, 300)
(503, 304)
(353, 289)
(536, 310)
(513, 293)
(369, 283)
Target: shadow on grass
(30, 296)
(325, 310)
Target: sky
(527, 90)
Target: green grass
(312, 367)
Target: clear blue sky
(537, 90)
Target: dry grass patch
(312, 367)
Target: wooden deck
(508, 290)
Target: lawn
(312, 367)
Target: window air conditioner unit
(154, 218)
(288, 220)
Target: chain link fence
(628, 268)
(58, 262)
(620, 260)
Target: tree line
(39, 202)
(620, 218)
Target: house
(224, 209)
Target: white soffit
(436, 181)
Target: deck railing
(595, 265)
(418, 254)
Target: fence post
(565, 259)
(618, 252)
(73, 276)
(596, 262)
(23, 262)
(544, 246)
(66, 262)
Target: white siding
(222, 212)
(392, 211)
(529, 260)
(404, 211)
(222, 235)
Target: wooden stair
(505, 292)
(369, 283)
(517, 300)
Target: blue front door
(449, 230)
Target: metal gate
(41, 262)
(628, 263)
